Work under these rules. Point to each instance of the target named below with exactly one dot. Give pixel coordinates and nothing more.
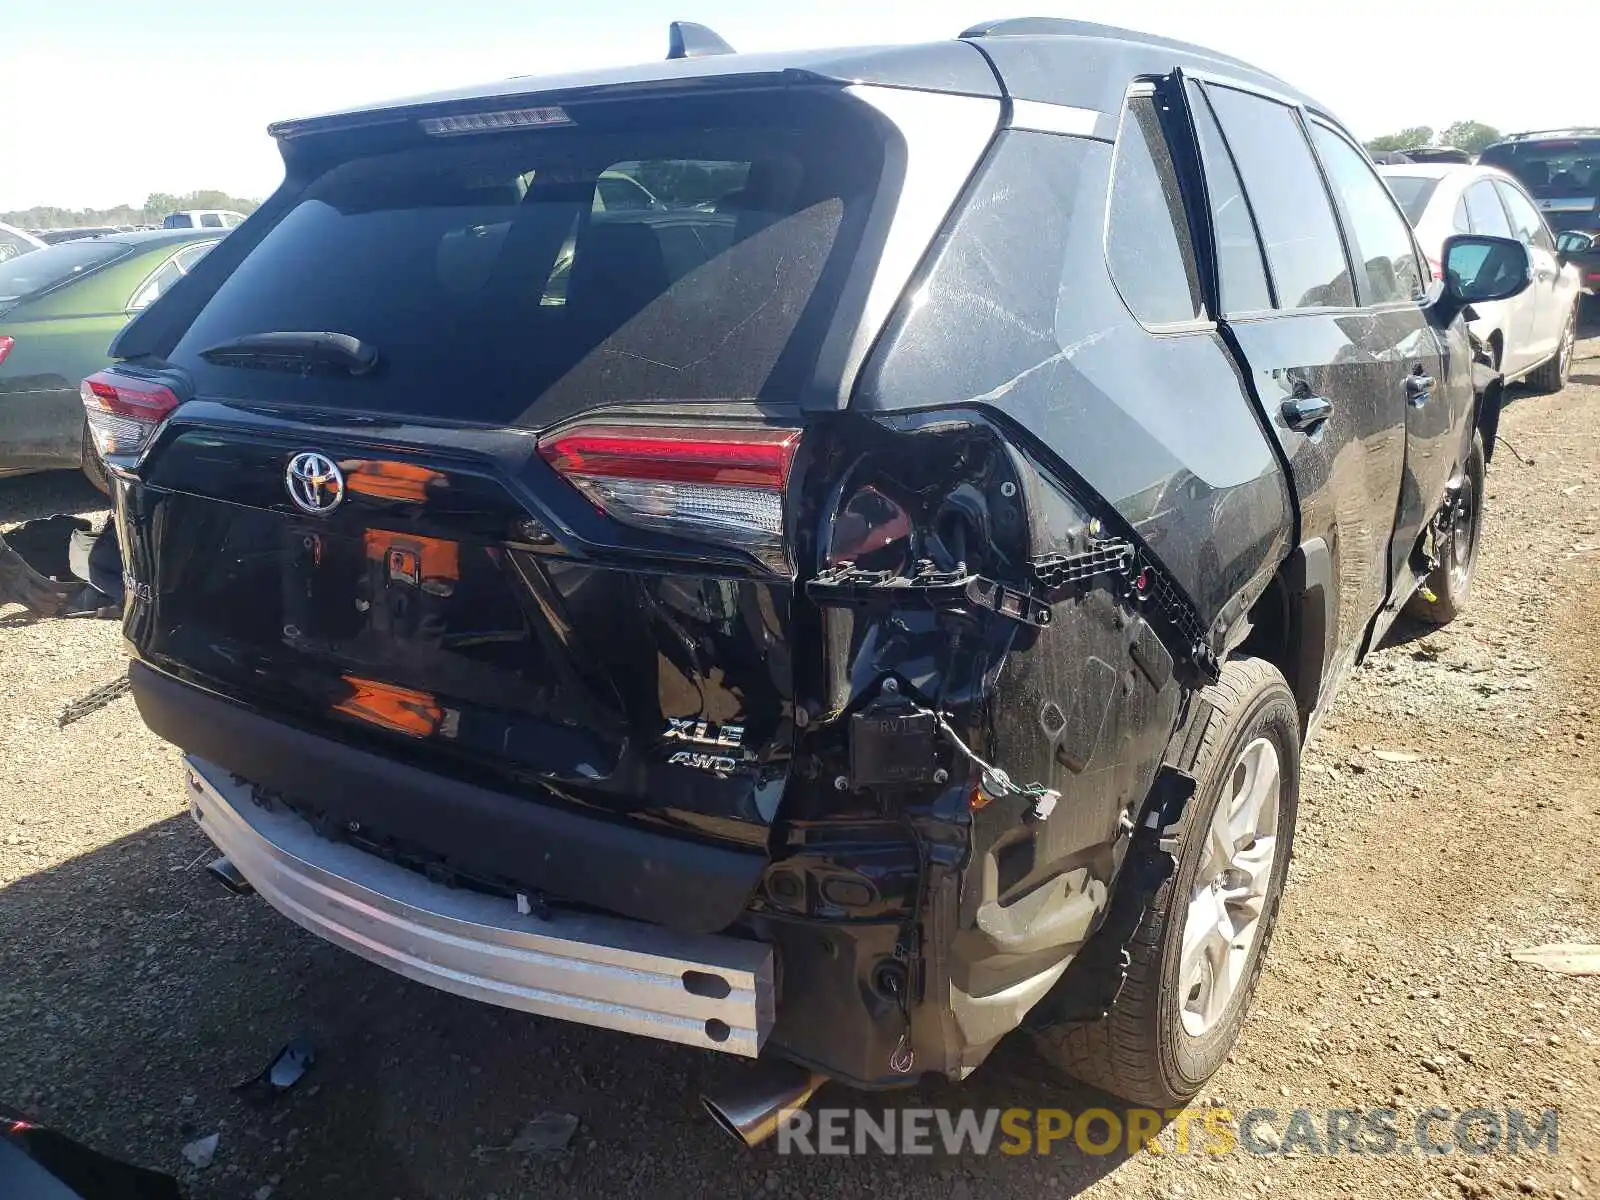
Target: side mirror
(1479, 269)
(1573, 241)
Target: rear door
(1390, 285)
(1546, 319)
(1324, 370)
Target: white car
(203, 218)
(1531, 335)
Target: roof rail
(1066, 27)
(1580, 130)
(687, 39)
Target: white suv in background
(1532, 335)
(202, 218)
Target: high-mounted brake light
(124, 413)
(5, 347)
(492, 122)
(718, 485)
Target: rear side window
(211, 220)
(29, 274)
(500, 285)
(1526, 222)
(1380, 237)
(1147, 236)
(1239, 263)
(1291, 206)
(1483, 206)
(1459, 221)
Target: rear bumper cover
(617, 865)
(595, 970)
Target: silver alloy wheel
(1230, 887)
(1463, 534)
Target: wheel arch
(1289, 624)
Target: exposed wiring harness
(995, 780)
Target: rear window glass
(29, 274)
(1551, 168)
(1147, 235)
(1413, 192)
(513, 279)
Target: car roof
(1075, 63)
(148, 239)
(1431, 170)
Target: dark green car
(59, 309)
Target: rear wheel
(1198, 952)
(1457, 529)
(1552, 377)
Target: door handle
(1303, 412)
(1419, 388)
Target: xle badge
(704, 733)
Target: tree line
(156, 206)
(1471, 136)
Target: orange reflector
(415, 714)
(413, 557)
(978, 798)
(391, 480)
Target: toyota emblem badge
(315, 483)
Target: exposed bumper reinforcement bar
(702, 990)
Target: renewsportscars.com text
(1205, 1131)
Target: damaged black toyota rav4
(828, 557)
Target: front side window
(1242, 271)
(1526, 222)
(1291, 206)
(1380, 237)
(1147, 236)
(1483, 206)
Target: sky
(106, 101)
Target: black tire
(1552, 377)
(93, 469)
(1455, 547)
(1142, 1051)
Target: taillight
(5, 347)
(1437, 267)
(124, 413)
(718, 485)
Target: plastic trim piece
(596, 970)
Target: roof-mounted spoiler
(686, 39)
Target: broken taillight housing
(124, 413)
(724, 486)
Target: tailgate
(433, 615)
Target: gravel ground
(134, 994)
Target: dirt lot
(134, 994)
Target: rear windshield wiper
(298, 352)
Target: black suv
(864, 594)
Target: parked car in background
(872, 605)
(1582, 250)
(1532, 335)
(1437, 154)
(14, 242)
(52, 237)
(59, 309)
(202, 218)
(1561, 170)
